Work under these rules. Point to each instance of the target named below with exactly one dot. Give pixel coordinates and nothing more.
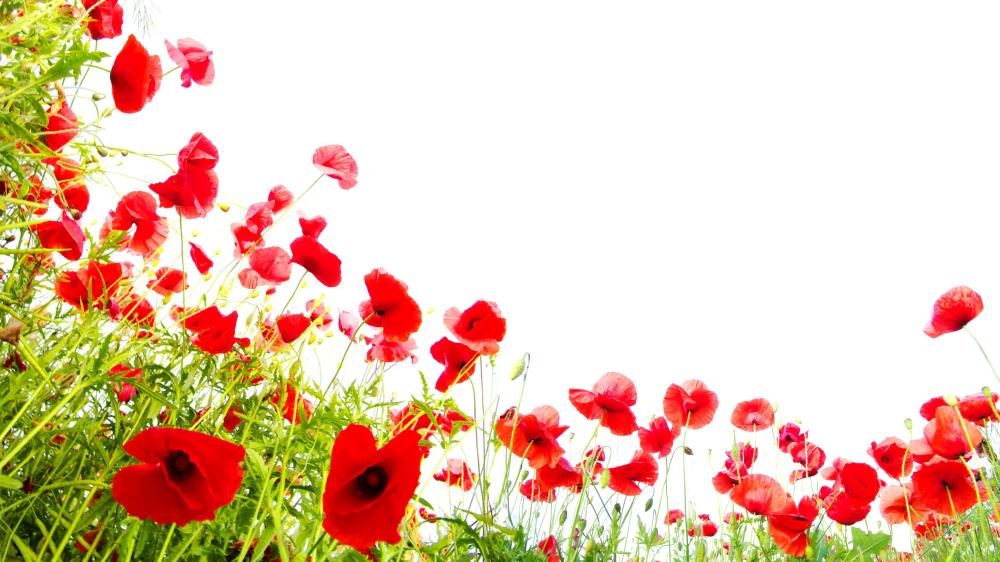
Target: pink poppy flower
(953, 310)
(195, 61)
(480, 326)
(334, 161)
(610, 402)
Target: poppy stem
(985, 356)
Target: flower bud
(520, 367)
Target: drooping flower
(459, 363)
(690, 404)
(953, 310)
(625, 478)
(316, 259)
(92, 286)
(185, 476)
(893, 456)
(532, 436)
(759, 494)
(62, 126)
(945, 487)
(610, 402)
(63, 235)
(105, 18)
(201, 260)
(138, 209)
(120, 374)
(388, 351)
(334, 161)
(280, 198)
(195, 61)
(292, 325)
(457, 474)
(199, 153)
(293, 406)
(810, 456)
(348, 323)
(135, 76)
(659, 438)
(951, 436)
(312, 227)
(753, 415)
(789, 527)
(534, 491)
(168, 281)
(480, 326)
(191, 190)
(390, 306)
(368, 487)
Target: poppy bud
(562, 517)
(224, 207)
(649, 504)
(617, 509)
(908, 423)
(102, 151)
(951, 400)
(605, 478)
(97, 96)
(986, 392)
(520, 367)
(688, 450)
(699, 551)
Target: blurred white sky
(766, 196)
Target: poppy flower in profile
(292, 325)
(561, 475)
(201, 260)
(199, 153)
(896, 505)
(168, 281)
(945, 487)
(316, 259)
(104, 18)
(953, 310)
(272, 264)
(811, 457)
(457, 474)
(185, 476)
(388, 351)
(789, 527)
(120, 374)
(135, 76)
(63, 235)
(348, 323)
(293, 406)
(138, 209)
(673, 516)
(659, 438)
(369, 488)
(191, 190)
(319, 314)
(690, 404)
(312, 227)
(703, 526)
(194, 60)
(214, 332)
(753, 415)
(232, 419)
(625, 478)
(480, 326)
(951, 436)
(929, 408)
(893, 456)
(137, 310)
(62, 126)
(459, 363)
(390, 306)
(280, 198)
(979, 409)
(759, 494)
(92, 286)
(334, 161)
(532, 436)
(534, 491)
(611, 402)
(550, 548)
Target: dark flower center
(179, 466)
(372, 482)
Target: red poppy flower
(550, 548)
(369, 488)
(945, 487)
(291, 326)
(123, 390)
(673, 516)
(532, 436)
(739, 460)
(690, 404)
(213, 332)
(624, 479)
(138, 209)
(201, 260)
(703, 526)
(272, 264)
(457, 474)
(532, 490)
(893, 456)
(232, 419)
(199, 153)
(753, 415)
(137, 310)
(74, 198)
(953, 310)
(104, 18)
(388, 351)
(168, 281)
(334, 161)
(951, 436)
(191, 190)
(480, 326)
(789, 528)
(811, 457)
(62, 126)
(894, 503)
(611, 402)
(859, 482)
(280, 198)
(319, 314)
(312, 227)
(459, 363)
(258, 218)
(64, 235)
(185, 476)
(93, 285)
(294, 407)
(195, 62)
(659, 438)
(759, 494)
(35, 193)
(979, 409)
(390, 306)
(316, 259)
(929, 408)
(135, 76)
(561, 475)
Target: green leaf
(9, 483)
(869, 544)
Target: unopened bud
(986, 392)
(908, 423)
(687, 450)
(951, 400)
(97, 96)
(605, 478)
(224, 207)
(562, 517)
(102, 151)
(649, 504)
(520, 367)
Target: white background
(766, 196)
